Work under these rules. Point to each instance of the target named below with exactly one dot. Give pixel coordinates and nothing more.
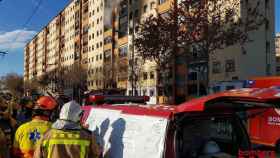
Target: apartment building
(258, 59)
(77, 36)
(84, 34)
(277, 50)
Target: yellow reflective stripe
(61, 135)
(49, 151)
(83, 143)
(69, 142)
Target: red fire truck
(264, 128)
(203, 127)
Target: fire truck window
(209, 137)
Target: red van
(264, 128)
(205, 127)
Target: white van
(206, 127)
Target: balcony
(164, 6)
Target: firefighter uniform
(67, 144)
(67, 139)
(27, 137)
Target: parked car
(210, 126)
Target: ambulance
(206, 127)
(264, 127)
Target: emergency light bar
(117, 98)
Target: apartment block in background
(258, 59)
(84, 34)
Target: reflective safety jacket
(27, 137)
(67, 144)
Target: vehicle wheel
(277, 147)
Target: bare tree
(14, 84)
(204, 26)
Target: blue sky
(13, 15)
(13, 33)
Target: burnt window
(107, 40)
(107, 55)
(123, 51)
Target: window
(107, 55)
(216, 67)
(161, 1)
(145, 9)
(144, 91)
(278, 59)
(267, 47)
(107, 40)
(123, 51)
(278, 68)
(145, 75)
(153, 5)
(152, 92)
(267, 24)
(230, 66)
(266, 4)
(136, 13)
(152, 75)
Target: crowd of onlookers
(43, 127)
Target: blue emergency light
(249, 83)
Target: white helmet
(210, 148)
(71, 111)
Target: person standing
(66, 138)
(28, 134)
(24, 113)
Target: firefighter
(66, 138)
(28, 135)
